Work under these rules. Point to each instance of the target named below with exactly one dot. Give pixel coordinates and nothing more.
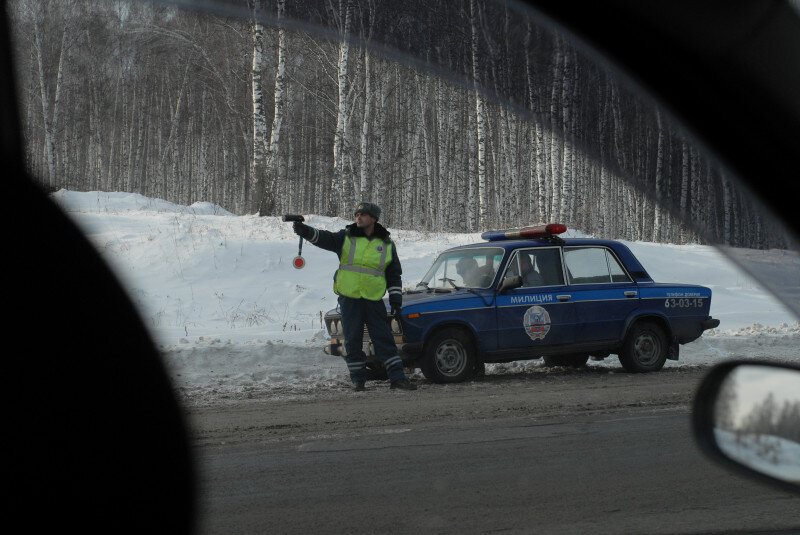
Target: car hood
(426, 298)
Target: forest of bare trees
(462, 115)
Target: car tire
(376, 372)
(645, 348)
(449, 357)
(570, 361)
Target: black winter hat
(369, 208)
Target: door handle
(630, 293)
(563, 297)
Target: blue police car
(527, 293)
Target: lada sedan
(526, 294)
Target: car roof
(509, 245)
(623, 252)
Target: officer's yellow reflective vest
(362, 268)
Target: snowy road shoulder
(215, 370)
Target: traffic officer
(368, 267)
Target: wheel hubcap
(451, 358)
(647, 348)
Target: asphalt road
(622, 471)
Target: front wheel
(449, 357)
(645, 348)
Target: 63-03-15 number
(683, 303)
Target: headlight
(333, 329)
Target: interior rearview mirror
(747, 417)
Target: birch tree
(480, 119)
(268, 201)
(259, 116)
(50, 105)
(339, 138)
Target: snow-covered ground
(232, 315)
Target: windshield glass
(464, 268)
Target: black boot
(359, 386)
(403, 384)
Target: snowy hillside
(232, 315)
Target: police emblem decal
(536, 322)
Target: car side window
(548, 264)
(593, 265)
(538, 267)
(513, 266)
(618, 274)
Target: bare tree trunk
(726, 210)
(556, 138)
(168, 148)
(659, 183)
(205, 186)
(685, 177)
(268, 199)
(480, 119)
(364, 190)
(472, 190)
(258, 166)
(445, 124)
(567, 176)
(50, 116)
(338, 186)
(381, 128)
(363, 185)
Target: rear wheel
(572, 361)
(449, 357)
(645, 348)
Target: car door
(536, 315)
(602, 293)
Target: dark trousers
(355, 314)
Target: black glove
(396, 303)
(301, 229)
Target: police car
(527, 293)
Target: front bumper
(409, 352)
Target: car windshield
(463, 268)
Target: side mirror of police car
(509, 283)
(747, 417)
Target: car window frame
(490, 248)
(608, 250)
(515, 257)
